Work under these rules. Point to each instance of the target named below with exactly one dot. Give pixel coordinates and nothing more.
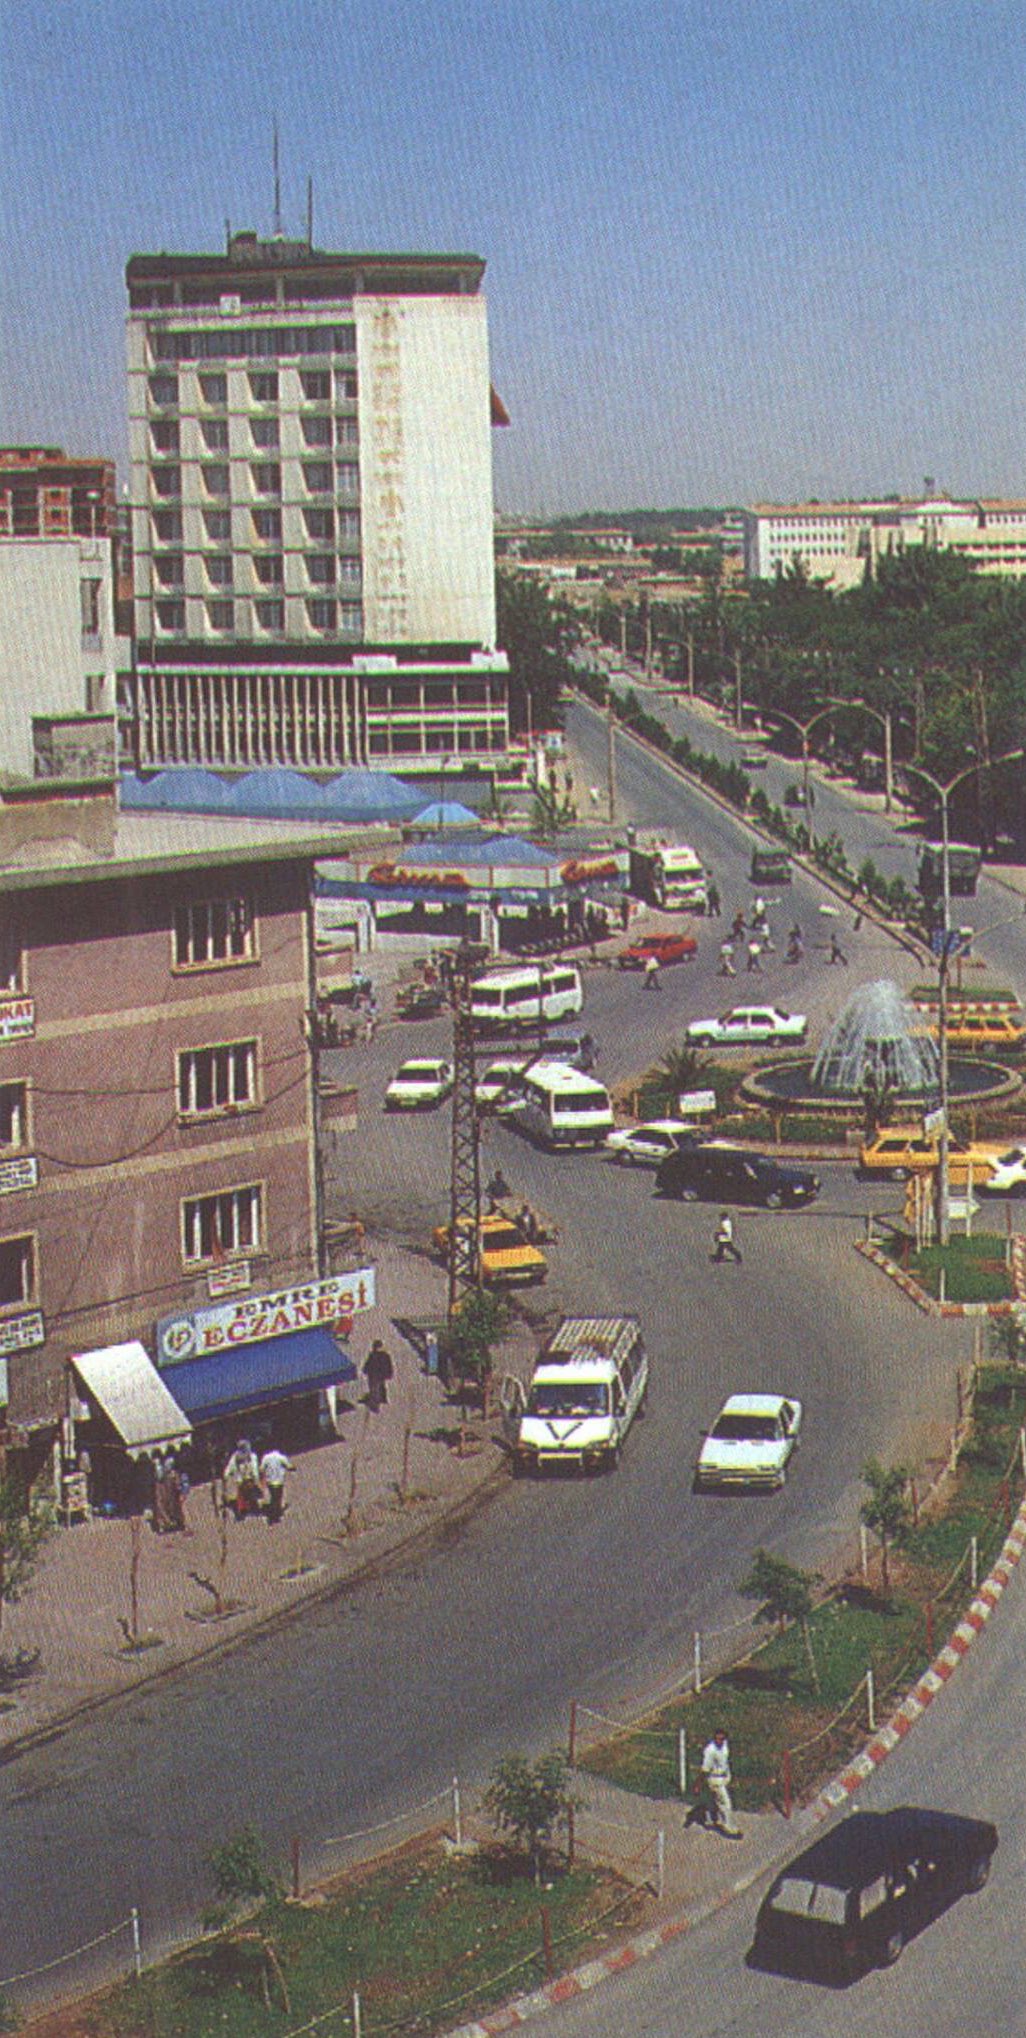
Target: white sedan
(750, 1442)
(1008, 1174)
(749, 1025)
(646, 1145)
(418, 1085)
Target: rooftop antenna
(309, 212)
(277, 188)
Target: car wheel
(979, 1871)
(893, 1945)
(774, 1199)
(688, 1193)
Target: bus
(558, 1106)
(513, 1000)
(669, 875)
(964, 861)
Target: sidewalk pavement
(392, 1476)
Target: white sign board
(17, 1018)
(933, 1124)
(19, 1174)
(21, 1333)
(317, 1303)
(691, 1102)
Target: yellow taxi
(981, 1029)
(508, 1257)
(899, 1151)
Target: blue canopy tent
(190, 791)
(255, 1375)
(359, 795)
(446, 814)
(277, 794)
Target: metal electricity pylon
(465, 1175)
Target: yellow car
(982, 1029)
(507, 1257)
(903, 1150)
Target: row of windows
(319, 520)
(265, 433)
(213, 1228)
(264, 387)
(318, 478)
(205, 934)
(410, 740)
(239, 343)
(323, 569)
(322, 613)
(210, 1082)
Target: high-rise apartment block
(311, 482)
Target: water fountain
(879, 1039)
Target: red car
(665, 947)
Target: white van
(586, 1389)
(558, 1106)
(506, 1000)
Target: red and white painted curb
(928, 1303)
(578, 1981)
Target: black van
(854, 1898)
(770, 867)
(729, 1174)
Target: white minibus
(558, 1106)
(508, 1000)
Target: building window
(267, 523)
(270, 569)
(352, 617)
(266, 436)
(267, 478)
(215, 1226)
(215, 434)
(347, 432)
(316, 385)
(349, 572)
(270, 616)
(406, 740)
(164, 434)
(317, 475)
(169, 568)
(321, 612)
(163, 389)
(349, 526)
(348, 477)
(166, 480)
(320, 569)
(345, 388)
(89, 595)
(11, 958)
(13, 1115)
(317, 431)
(167, 526)
(215, 480)
(320, 523)
(218, 526)
(214, 389)
(171, 617)
(17, 1271)
(263, 387)
(213, 1079)
(210, 932)
(221, 615)
(219, 568)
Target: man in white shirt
(273, 1467)
(716, 1770)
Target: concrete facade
(58, 651)
(834, 541)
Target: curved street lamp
(883, 716)
(804, 730)
(943, 793)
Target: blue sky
(736, 251)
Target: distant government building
(312, 514)
(834, 541)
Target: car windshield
(561, 1397)
(742, 1429)
(508, 1240)
(419, 1072)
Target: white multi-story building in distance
(833, 541)
(311, 482)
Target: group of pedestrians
(255, 1485)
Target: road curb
(578, 1981)
(927, 1303)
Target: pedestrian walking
(242, 1480)
(759, 912)
(377, 1371)
(754, 961)
(713, 901)
(737, 926)
(717, 1775)
(273, 1468)
(652, 973)
(724, 1240)
(727, 959)
(766, 938)
(837, 953)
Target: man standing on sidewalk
(716, 1771)
(273, 1467)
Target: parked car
(666, 948)
(646, 1145)
(904, 1150)
(753, 760)
(419, 1001)
(749, 1025)
(770, 867)
(508, 1257)
(751, 1441)
(729, 1174)
(419, 1084)
(1008, 1174)
(981, 1029)
(858, 1894)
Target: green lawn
(975, 1268)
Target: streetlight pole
(883, 716)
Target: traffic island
(982, 1275)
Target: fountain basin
(791, 1084)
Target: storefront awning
(134, 1396)
(253, 1375)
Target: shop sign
(585, 870)
(19, 1174)
(413, 876)
(17, 1018)
(195, 1335)
(21, 1333)
(233, 1279)
(692, 1102)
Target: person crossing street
(717, 1774)
(724, 1241)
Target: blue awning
(251, 1376)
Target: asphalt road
(373, 1701)
(962, 1976)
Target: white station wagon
(750, 1442)
(419, 1084)
(749, 1025)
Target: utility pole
(465, 1169)
(611, 754)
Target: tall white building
(311, 482)
(834, 540)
